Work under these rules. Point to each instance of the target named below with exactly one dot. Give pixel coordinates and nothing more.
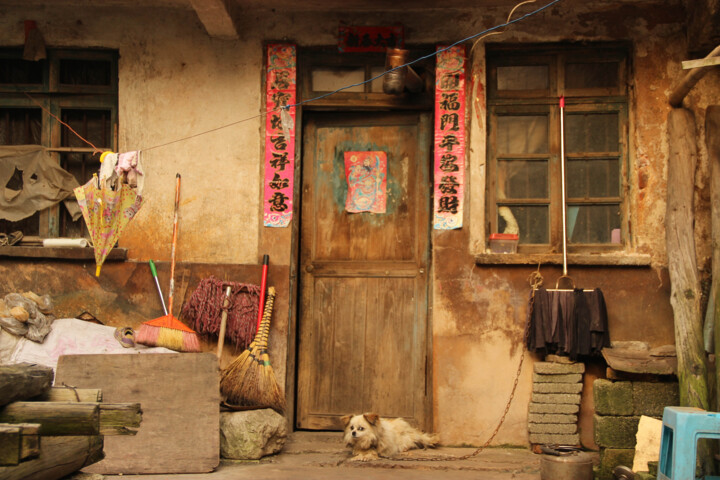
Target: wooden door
(363, 276)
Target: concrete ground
(312, 455)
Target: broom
(167, 331)
(249, 380)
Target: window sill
(599, 259)
(60, 253)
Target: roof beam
(216, 18)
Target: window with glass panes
(79, 87)
(524, 189)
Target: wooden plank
(180, 398)
(60, 457)
(682, 266)
(702, 62)
(62, 418)
(610, 259)
(639, 361)
(23, 380)
(18, 442)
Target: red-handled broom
(167, 331)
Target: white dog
(371, 436)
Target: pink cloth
(129, 167)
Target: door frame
(349, 103)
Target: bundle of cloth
(27, 315)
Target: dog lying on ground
(371, 436)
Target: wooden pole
(682, 264)
(689, 81)
(712, 140)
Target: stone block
(644, 476)
(611, 458)
(554, 438)
(558, 359)
(651, 398)
(564, 428)
(567, 378)
(556, 408)
(251, 434)
(559, 368)
(570, 398)
(557, 387)
(613, 398)
(615, 432)
(551, 418)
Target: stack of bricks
(618, 407)
(553, 413)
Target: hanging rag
(43, 183)
(129, 169)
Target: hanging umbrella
(106, 210)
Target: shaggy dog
(371, 436)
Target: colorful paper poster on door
(279, 135)
(366, 174)
(449, 148)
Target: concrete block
(559, 368)
(616, 432)
(557, 408)
(554, 438)
(551, 418)
(557, 387)
(651, 398)
(558, 359)
(566, 378)
(571, 398)
(613, 398)
(611, 458)
(565, 428)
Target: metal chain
(535, 279)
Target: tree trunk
(712, 140)
(682, 265)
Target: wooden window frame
(54, 97)
(546, 102)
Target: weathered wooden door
(363, 310)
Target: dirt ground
(310, 455)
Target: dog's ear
(372, 418)
(345, 419)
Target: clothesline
(303, 102)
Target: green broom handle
(157, 284)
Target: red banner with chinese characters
(279, 135)
(370, 39)
(449, 178)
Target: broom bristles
(178, 340)
(249, 380)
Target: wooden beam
(59, 418)
(60, 457)
(688, 82)
(70, 394)
(215, 17)
(18, 442)
(703, 62)
(23, 380)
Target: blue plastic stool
(682, 427)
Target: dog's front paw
(364, 457)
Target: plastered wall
(177, 83)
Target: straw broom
(249, 380)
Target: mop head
(168, 332)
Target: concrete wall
(176, 82)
